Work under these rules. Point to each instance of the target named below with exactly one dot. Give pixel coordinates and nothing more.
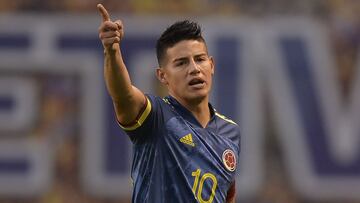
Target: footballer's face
(187, 71)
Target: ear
(212, 63)
(160, 74)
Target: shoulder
(158, 104)
(150, 122)
(227, 127)
(161, 108)
(156, 100)
(152, 106)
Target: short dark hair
(179, 31)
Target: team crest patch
(229, 160)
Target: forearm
(116, 76)
(127, 99)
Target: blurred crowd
(205, 7)
(341, 17)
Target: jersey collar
(186, 114)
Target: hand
(110, 32)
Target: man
(184, 151)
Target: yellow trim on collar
(224, 118)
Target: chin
(197, 96)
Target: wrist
(110, 50)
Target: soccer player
(184, 150)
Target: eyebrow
(185, 58)
(179, 59)
(202, 54)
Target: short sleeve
(140, 119)
(148, 123)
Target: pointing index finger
(105, 15)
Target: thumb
(105, 15)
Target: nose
(194, 67)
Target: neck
(199, 109)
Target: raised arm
(128, 100)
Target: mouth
(196, 82)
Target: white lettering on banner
(27, 160)
(21, 109)
(18, 114)
(268, 57)
(307, 109)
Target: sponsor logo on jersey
(229, 160)
(187, 139)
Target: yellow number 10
(197, 174)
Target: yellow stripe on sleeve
(138, 122)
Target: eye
(180, 63)
(201, 58)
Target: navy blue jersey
(177, 160)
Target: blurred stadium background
(286, 72)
